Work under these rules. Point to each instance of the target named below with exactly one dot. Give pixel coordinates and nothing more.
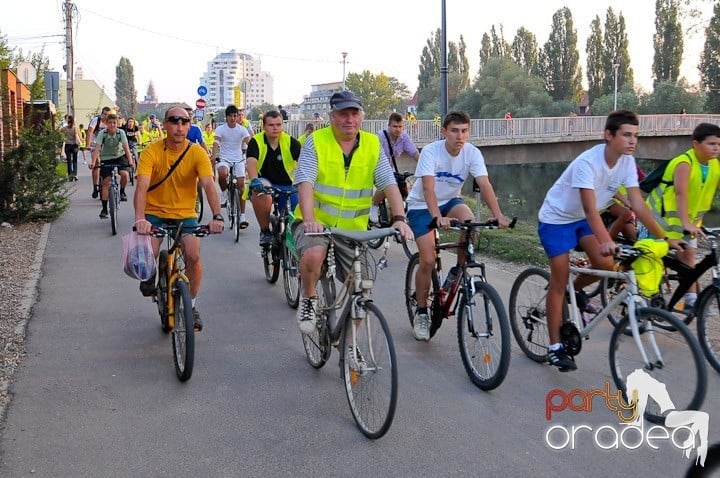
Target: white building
(237, 78)
(318, 101)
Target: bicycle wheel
(271, 254)
(409, 247)
(161, 291)
(236, 206)
(370, 371)
(199, 203)
(675, 361)
(317, 344)
(711, 465)
(112, 204)
(183, 334)
(484, 337)
(230, 205)
(411, 305)
(528, 312)
(708, 325)
(382, 219)
(291, 276)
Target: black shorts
(122, 161)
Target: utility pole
(443, 63)
(69, 8)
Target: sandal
(243, 224)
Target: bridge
(560, 139)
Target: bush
(29, 187)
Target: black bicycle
(281, 252)
(483, 328)
(233, 200)
(113, 194)
(385, 219)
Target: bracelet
(141, 220)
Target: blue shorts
(559, 239)
(283, 199)
(189, 223)
(420, 218)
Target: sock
(104, 205)
(193, 301)
(421, 310)
(553, 347)
(690, 298)
(122, 190)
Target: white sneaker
(421, 327)
(374, 213)
(306, 318)
(223, 198)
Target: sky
(300, 42)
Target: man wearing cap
(337, 169)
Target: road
(97, 395)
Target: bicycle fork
(635, 328)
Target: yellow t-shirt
(175, 197)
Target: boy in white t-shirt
(442, 169)
(569, 217)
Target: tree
(525, 50)
(670, 97)
(379, 93)
(595, 70)
(125, 93)
(626, 98)
(616, 53)
(710, 63)
(560, 59)
(500, 47)
(430, 62)
(667, 41)
(6, 53)
(485, 50)
(41, 64)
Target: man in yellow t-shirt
(172, 202)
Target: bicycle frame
(175, 270)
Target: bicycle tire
(528, 312)
(199, 203)
(708, 325)
(370, 381)
(486, 361)
(409, 247)
(382, 219)
(680, 354)
(112, 204)
(291, 276)
(230, 205)
(434, 308)
(711, 465)
(161, 291)
(236, 201)
(183, 333)
(317, 344)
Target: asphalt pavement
(97, 395)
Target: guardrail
(530, 130)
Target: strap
(172, 168)
(392, 153)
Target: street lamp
(615, 68)
(344, 55)
(443, 62)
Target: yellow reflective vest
(288, 162)
(663, 202)
(343, 197)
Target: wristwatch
(400, 218)
(218, 217)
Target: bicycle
(134, 153)
(173, 299)
(482, 325)
(233, 200)
(281, 252)
(348, 319)
(113, 194)
(385, 220)
(707, 305)
(680, 365)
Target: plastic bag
(649, 267)
(138, 258)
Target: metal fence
(531, 130)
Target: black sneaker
(561, 360)
(123, 196)
(147, 287)
(103, 214)
(197, 321)
(95, 193)
(266, 238)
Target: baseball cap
(345, 99)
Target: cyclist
(209, 136)
(309, 128)
(686, 193)
(112, 147)
(230, 138)
(96, 125)
(442, 169)
(132, 131)
(394, 142)
(336, 171)
(173, 200)
(569, 217)
(271, 160)
(195, 133)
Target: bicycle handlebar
(490, 224)
(198, 231)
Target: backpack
(655, 177)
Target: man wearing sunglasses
(230, 139)
(173, 200)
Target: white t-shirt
(231, 142)
(562, 203)
(450, 172)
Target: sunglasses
(177, 119)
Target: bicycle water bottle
(451, 277)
